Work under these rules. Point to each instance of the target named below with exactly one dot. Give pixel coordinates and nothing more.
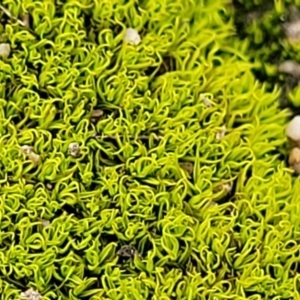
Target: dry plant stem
(26, 20)
(7, 12)
(24, 23)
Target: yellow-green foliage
(263, 26)
(186, 163)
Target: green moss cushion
(143, 168)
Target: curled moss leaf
(116, 121)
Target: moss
(271, 30)
(185, 164)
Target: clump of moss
(180, 189)
(271, 30)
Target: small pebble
(127, 252)
(292, 30)
(132, 37)
(293, 129)
(4, 49)
(294, 160)
(290, 67)
(74, 149)
(49, 186)
(96, 115)
(31, 294)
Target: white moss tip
(221, 133)
(45, 223)
(4, 49)
(132, 37)
(293, 129)
(26, 149)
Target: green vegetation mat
(147, 168)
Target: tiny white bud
(45, 223)
(4, 49)
(132, 36)
(293, 129)
(34, 157)
(74, 149)
(26, 149)
(206, 101)
(221, 133)
(227, 187)
(49, 186)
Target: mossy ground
(186, 161)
